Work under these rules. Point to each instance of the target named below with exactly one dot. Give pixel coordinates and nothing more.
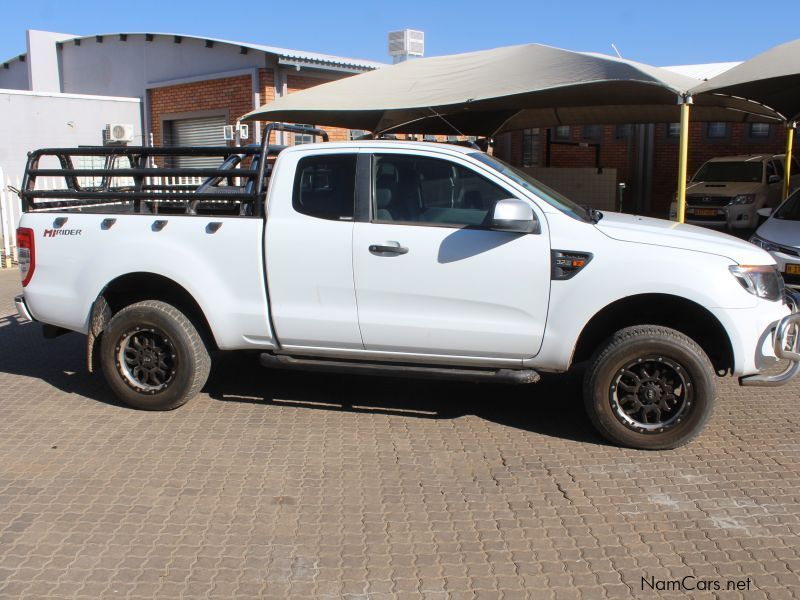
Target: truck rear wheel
(152, 356)
(650, 387)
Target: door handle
(379, 249)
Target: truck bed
(218, 260)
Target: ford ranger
(392, 258)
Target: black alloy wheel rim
(146, 360)
(651, 394)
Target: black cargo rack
(154, 180)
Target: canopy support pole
(787, 169)
(685, 102)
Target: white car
(780, 236)
(727, 192)
(396, 258)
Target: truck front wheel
(649, 387)
(153, 357)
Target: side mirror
(773, 179)
(514, 216)
(764, 212)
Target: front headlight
(764, 244)
(744, 199)
(763, 281)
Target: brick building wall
(701, 149)
(231, 94)
(619, 150)
(295, 83)
(234, 95)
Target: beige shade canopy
(491, 91)
(771, 78)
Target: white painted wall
(42, 60)
(15, 76)
(119, 68)
(30, 120)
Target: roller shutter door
(202, 131)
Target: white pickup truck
(395, 258)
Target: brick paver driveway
(283, 485)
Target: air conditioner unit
(405, 44)
(117, 133)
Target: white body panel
(223, 271)
(310, 270)
(621, 269)
(459, 296)
(457, 292)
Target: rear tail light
(26, 250)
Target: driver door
(432, 278)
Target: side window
(412, 189)
(774, 168)
(324, 186)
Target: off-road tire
(182, 347)
(656, 346)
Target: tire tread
(197, 347)
(635, 333)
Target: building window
(562, 133)
(357, 134)
(759, 130)
(624, 131)
(673, 130)
(716, 130)
(303, 138)
(452, 139)
(593, 132)
(429, 138)
(530, 147)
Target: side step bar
(513, 376)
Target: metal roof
(287, 54)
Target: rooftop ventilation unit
(405, 44)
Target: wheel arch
(130, 288)
(667, 310)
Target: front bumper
(22, 308)
(785, 345)
(735, 216)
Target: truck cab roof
(382, 144)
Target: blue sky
(644, 30)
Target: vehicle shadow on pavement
(59, 362)
(552, 407)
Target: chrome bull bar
(785, 345)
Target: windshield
(790, 210)
(547, 194)
(739, 171)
